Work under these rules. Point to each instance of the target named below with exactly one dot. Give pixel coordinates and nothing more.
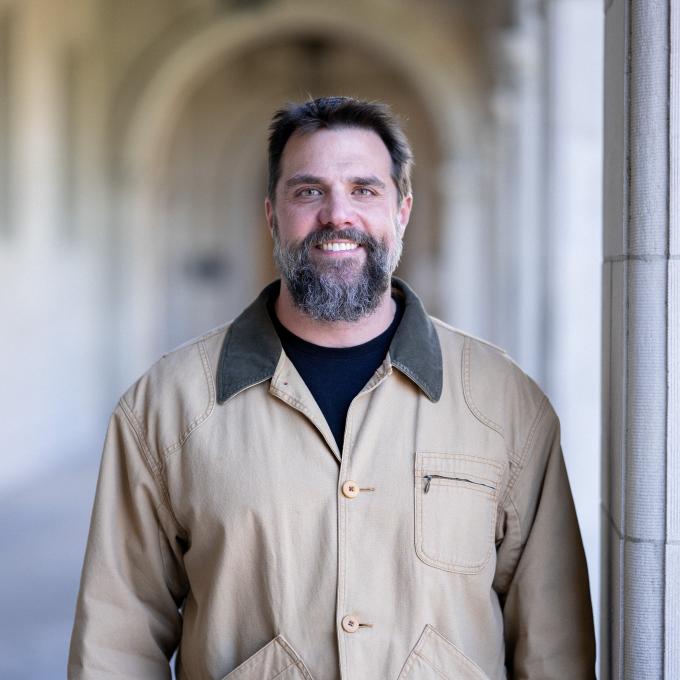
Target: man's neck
(334, 333)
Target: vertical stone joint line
(672, 553)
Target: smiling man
(335, 485)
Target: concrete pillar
(641, 342)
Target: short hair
(340, 112)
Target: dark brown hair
(339, 112)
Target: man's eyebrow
(295, 180)
(369, 181)
(366, 181)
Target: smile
(336, 246)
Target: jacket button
(350, 624)
(350, 489)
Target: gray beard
(336, 291)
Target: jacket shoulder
(497, 391)
(177, 394)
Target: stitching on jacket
(215, 331)
(258, 655)
(455, 649)
(295, 657)
(408, 664)
(349, 433)
(207, 372)
(258, 379)
(278, 675)
(155, 467)
(251, 382)
(519, 522)
(532, 431)
(155, 470)
(460, 566)
(431, 664)
(300, 406)
(416, 378)
(467, 391)
(284, 396)
(518, 469)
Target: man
(335, 485)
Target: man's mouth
(337, 246)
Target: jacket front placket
(288, 385)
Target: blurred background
(132, 176)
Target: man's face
(337, 224)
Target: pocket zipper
(429, 478)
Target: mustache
(316, 238)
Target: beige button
(350, 624)
(350, 489)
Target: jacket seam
(466, 372)
(418, 380)
(156, 467)
(542, 407)
(522, 464)
(432, 631)
(467, 394)
(519, 521)
(194, 424)
(518, 458)
(280, 673)
(153, 465)
(296, 404)
(296, 659)
(430, 663)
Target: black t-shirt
(335, 375)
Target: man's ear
(404, 212)
(269, 214)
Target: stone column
(641, 342)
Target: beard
(341, 290)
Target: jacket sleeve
(541, 574)
(127, 622)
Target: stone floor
(44, 529)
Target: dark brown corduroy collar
(251, 348)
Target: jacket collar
(251, 348)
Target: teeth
(335, 246)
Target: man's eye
(363, 191)
(309, 191)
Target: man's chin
(344, 271)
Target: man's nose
(336, 211)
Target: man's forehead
(337, 145)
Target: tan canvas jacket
(440, 544)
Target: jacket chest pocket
(455, 510)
